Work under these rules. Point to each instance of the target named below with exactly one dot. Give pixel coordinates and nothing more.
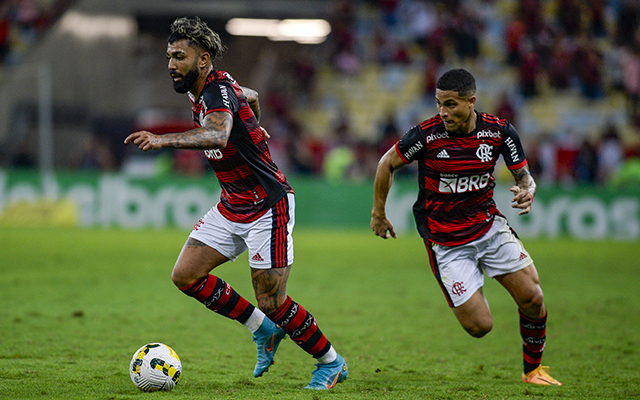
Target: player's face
(183, 65)
(456, 112)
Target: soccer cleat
(267, 338)
(326, 376)
(540, 376)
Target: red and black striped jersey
(251, 182)
(455, 202)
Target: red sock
(218, 296)
(301, 327)
(533, 332)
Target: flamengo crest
(484, 153)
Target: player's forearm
(381, 187)
(524, 180)
(252, 99)
(203, 138)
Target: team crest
(484, 153)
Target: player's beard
(188, 80)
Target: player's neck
(202, 79)
(470, 126)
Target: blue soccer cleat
(267, 339)
(326, 376)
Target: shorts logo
(257, 257)
(484, 153)
(198, 224)
(458, 288)
(522, 256)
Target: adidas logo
(257, 257)
(443, 154)
(522, 256)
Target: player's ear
(204, 58)
(472, 100)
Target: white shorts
(268, 239)
(460, 269)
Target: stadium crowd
(21, 24)
(589, 49)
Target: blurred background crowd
(566, 73)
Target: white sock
(255, 320)
(329, 357)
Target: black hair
(458, 80)
(198, 34)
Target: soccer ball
(155, 366)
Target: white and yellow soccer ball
(155, 366)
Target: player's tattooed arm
(524, 189)
(252, 99)
(214, 134)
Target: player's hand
(382, 227)
(144, 140)
(265, 134)
(522, 199)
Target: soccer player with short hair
(464, 233)
(255, 211)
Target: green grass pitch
(75, 305)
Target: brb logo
(464, 183)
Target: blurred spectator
(569, 17)
(589, 70)
(631, 77)
(547, 156)
(23, 157)
(389, 136)
(300, 152)
(529, 71)
(422, 21)
(364, 163)
(506, 110)
(514, 33)
(610, 153)
(5, 29)
(568, 145)
(560, 66)
(586, 163)
(97, 155)
(466, 32)
(597, 17)
(627, 21)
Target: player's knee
(533, 304)
(181, 280)
(478, 330)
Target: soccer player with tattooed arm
(464, 233)
(255, 212)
